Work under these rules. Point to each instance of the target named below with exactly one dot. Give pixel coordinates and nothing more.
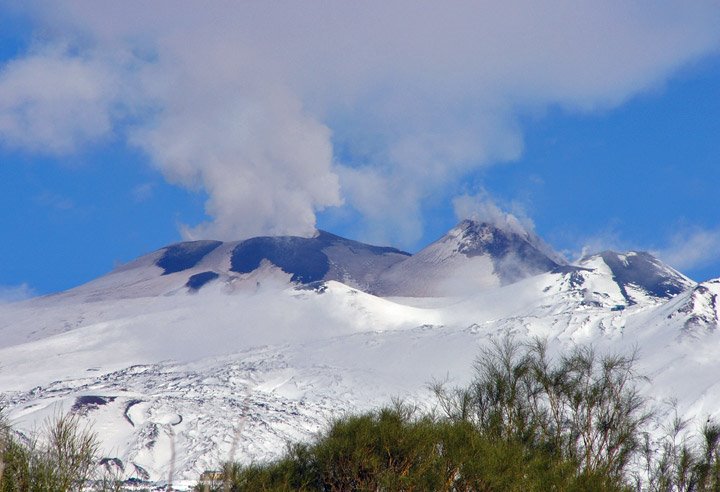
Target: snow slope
(252, 359)
(472, 256)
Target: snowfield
(177, 378)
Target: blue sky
(597, 126)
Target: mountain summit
(470, 257)
(637, 276)
(473, 256)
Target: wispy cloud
(608, 238)
(52, 102)
(14, 293)
(280, 109)
(482, 207)
(692, 247)
(142, 192)
(54, 200)
(689, 247)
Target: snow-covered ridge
(700, 309)
(640, 270)
(470, 257)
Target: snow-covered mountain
(472, 256)
(191, 265)
(700, 309)
(186, 268)
(639, 277)
(221, 350)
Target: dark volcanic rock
(183, 256)
(516, 255)
(195, 282)
(86, 403)
(306, 259)
(645, 271)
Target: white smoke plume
(482, 208)
(280, 109)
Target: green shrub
(392, 449)
(63, 460)
(682, 461)
(525, 423)
(582, 407)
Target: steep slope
(699, 311)
(472, 256)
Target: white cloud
(691, 248)
(607, 239)
(246, 100)
(50, 102)
(481, 207)
(14, 293)
(142, 192)
(53, 200)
